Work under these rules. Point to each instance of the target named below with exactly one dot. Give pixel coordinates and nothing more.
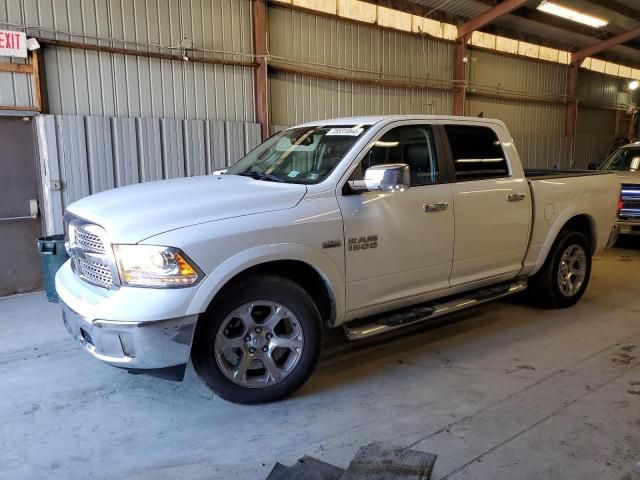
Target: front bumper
(132, 328)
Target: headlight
(151, 266)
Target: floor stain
(622, 358)
(634, 384)
(633, 392)
(628, 348)
(520, 367)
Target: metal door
(19, 222)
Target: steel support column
(260, 50)
(571, 113)
(460, 76)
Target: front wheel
(261, 341)
(565, 275)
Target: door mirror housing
(593, 166)
(392, 177)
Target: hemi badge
(331, 243)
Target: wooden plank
(482, 20)
(382, 461)
(623, 37)
(16, 68)
(259, 17)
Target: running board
(399, 319)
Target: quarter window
(411, 144)
(477, 153)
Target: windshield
(625, 160)
(299, 155)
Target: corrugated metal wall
(92, 83)
(596, 87)
(515, 77)
(296, 99)
(332, 45)
(15, 88)
(87, 154)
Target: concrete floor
(503, 392)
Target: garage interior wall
(325, 44)
(120, 119)
(94, 83)
(528, 95)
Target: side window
(411, 144)
(477, 152)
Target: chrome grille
(90, 252)
(630, 202)
(96, 273)
(89, 241)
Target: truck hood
(629, 177)
(134, 213)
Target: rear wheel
(260, 342)
(565, 275)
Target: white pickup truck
(368, 224)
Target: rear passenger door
(492, 208)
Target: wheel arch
(580, 222)
(310, 268)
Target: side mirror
(593, 166)
(390, 177)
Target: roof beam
(605, 45)
(489, 16)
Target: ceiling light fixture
(633, 84)
(570, 14)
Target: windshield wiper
(262, 176)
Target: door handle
(516, 197)
(435, 207)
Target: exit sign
(13, 44)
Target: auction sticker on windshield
(345, 132)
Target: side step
(402, 318)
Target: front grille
(95, 273)
(89, 241)
(630, 202)
(90, 252)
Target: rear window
(477, 153)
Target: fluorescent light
(570, 14)
(633, 84)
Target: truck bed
(559, 195)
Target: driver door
(399, 245)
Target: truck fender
(558, 224)
(254, 256)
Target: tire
(546, 289)
(259, 342)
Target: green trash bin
(52, 256)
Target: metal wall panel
(520, 117)
(544, 151)
(596, 121)
(93, 83)
(15, 88)
(507, 74)
(333, 45)
(360, 50)
(86, 155)
(297, 99)
(592, 148)
(603, 89)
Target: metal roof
(529, 24)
